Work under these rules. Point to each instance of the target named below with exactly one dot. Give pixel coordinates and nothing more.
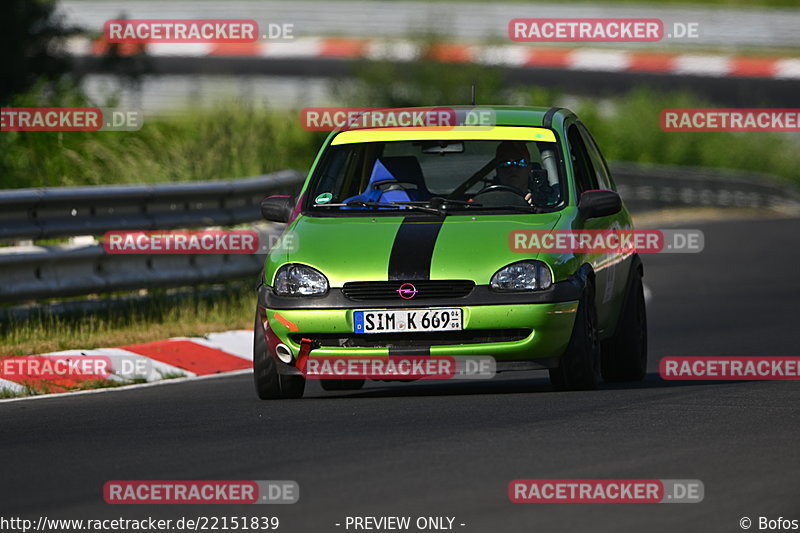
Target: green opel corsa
(402, 245)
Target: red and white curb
(513, 55)
(178, 357)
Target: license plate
(402, 320)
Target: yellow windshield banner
(458, 133)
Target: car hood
(411, 247)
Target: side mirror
(596, 204)
(277, 208)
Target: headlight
(522, 276)
(300, 280)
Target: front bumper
(514, 328)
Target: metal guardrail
(36, 272)
(648, 187)
(32, 272)
(29, 214)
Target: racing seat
(404, 169)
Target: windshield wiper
(521, 209)
(394, 205)
(439, 203)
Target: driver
(514, 167)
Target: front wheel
(270, 385)
(625, 354)
(578, 368)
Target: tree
(32, 34)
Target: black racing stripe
(413, 248)
(410, 350)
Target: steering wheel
(500, 187)
(393, 185)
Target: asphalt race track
(450, 449)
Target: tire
(341, 384)
(270, 385)
(579, 367)
(625, 354)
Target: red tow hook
(306, 345)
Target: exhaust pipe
(284, 353)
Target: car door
(586, 178)
(620, 270)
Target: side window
(339, 162)
(598, 161)
(585, 176)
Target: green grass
(127, 322)
(6, 393)
(632, 133)
(626, 127)
(234, 140)
(227, 142)
(170, 375)
(728, 3)
(158, 317)
(659, 3)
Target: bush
(227, 142)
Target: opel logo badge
(407, 291)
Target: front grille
(423, 338)
(389, 290)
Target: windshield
(453, 174)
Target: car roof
(508, 115)
(521, 116)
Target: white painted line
(10, 385)
(514, 56)
(128, 387)
(125, 364)
(702, 65)
(238, 342)
(787, 68)
(304, 47)
(391, 50)
(599, 60)
(179, 49)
